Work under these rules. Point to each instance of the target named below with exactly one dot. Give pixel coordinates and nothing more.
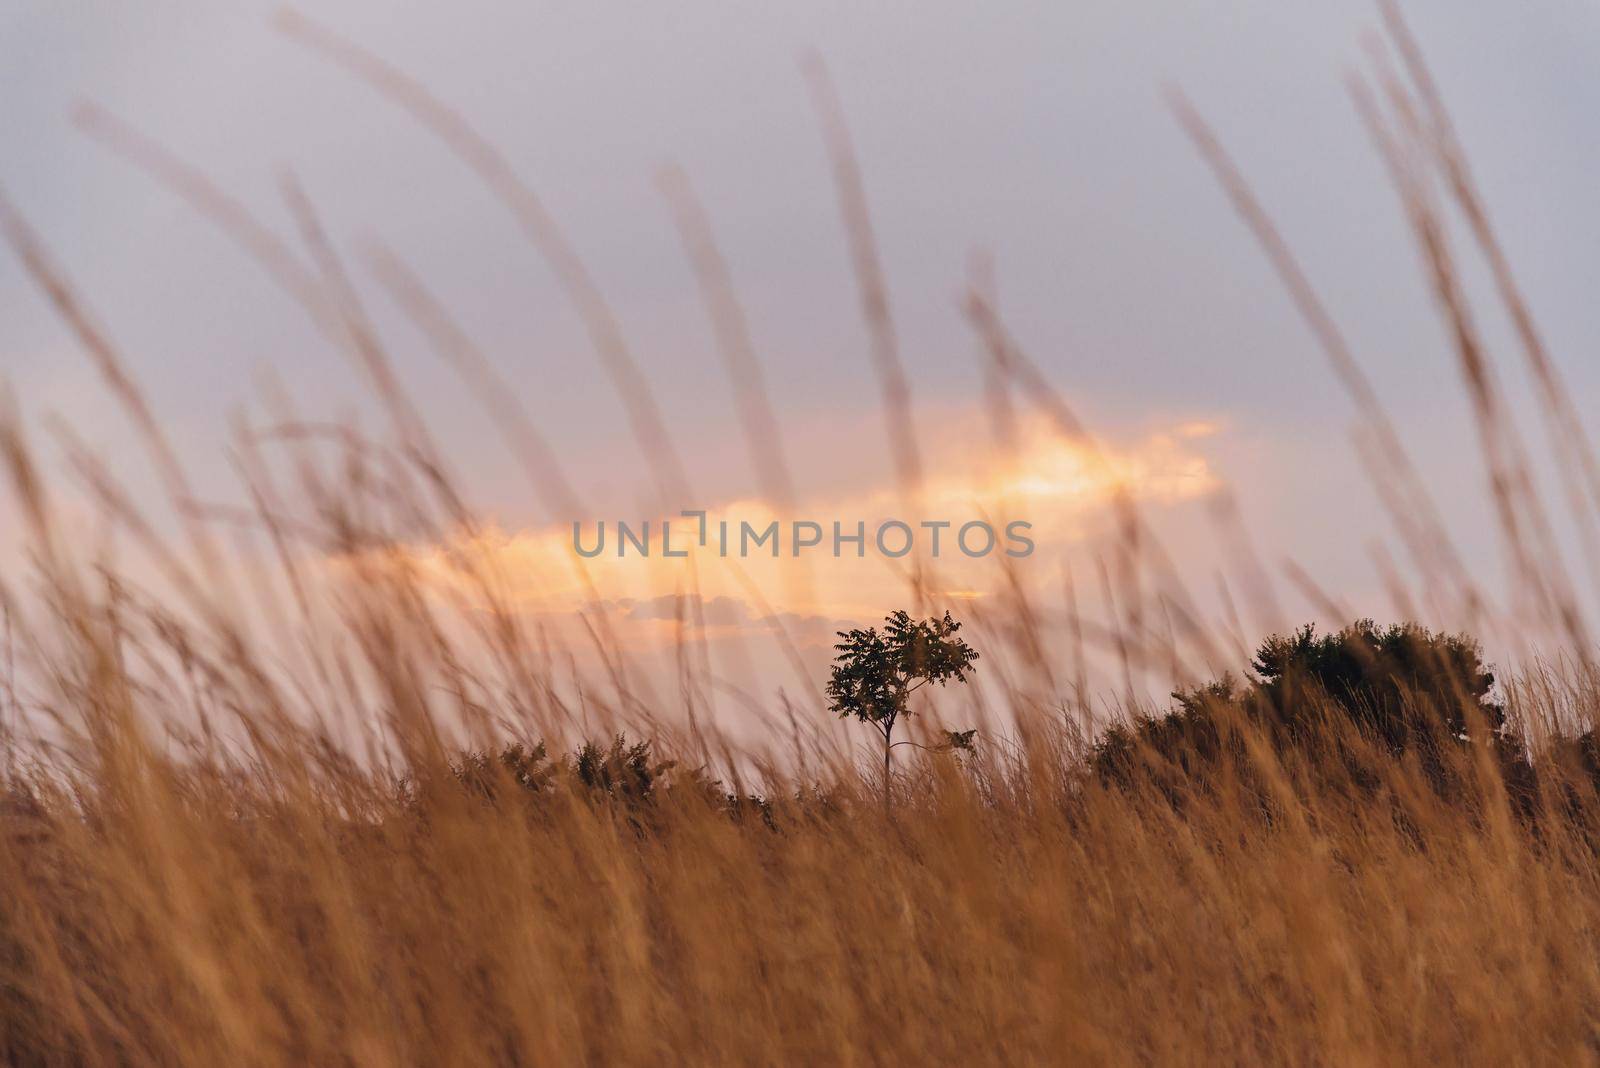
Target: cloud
(1060, 487)
(716, 611)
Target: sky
(1036, 137)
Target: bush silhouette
(617, 772)
(623, 772)
(1403, 684)
(614, 770)
(517, 765)
(1403, 688)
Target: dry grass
(291, 908)
(234, 828)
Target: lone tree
(875, 673)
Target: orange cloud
(1055, 485)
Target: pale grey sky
(1036, 132)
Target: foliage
(1402, 683)
(875, 673)
(1187, 739)
(615, 771)
(620, 771)
(960, 740)
(483, 775)
(1403, 688)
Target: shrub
(1402, 688)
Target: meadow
(346, 814)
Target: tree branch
(925, 748)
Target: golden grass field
(198, 868)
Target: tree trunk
(886, 755)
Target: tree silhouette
(1404, 687)
(1402, 683)
(875, 673)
